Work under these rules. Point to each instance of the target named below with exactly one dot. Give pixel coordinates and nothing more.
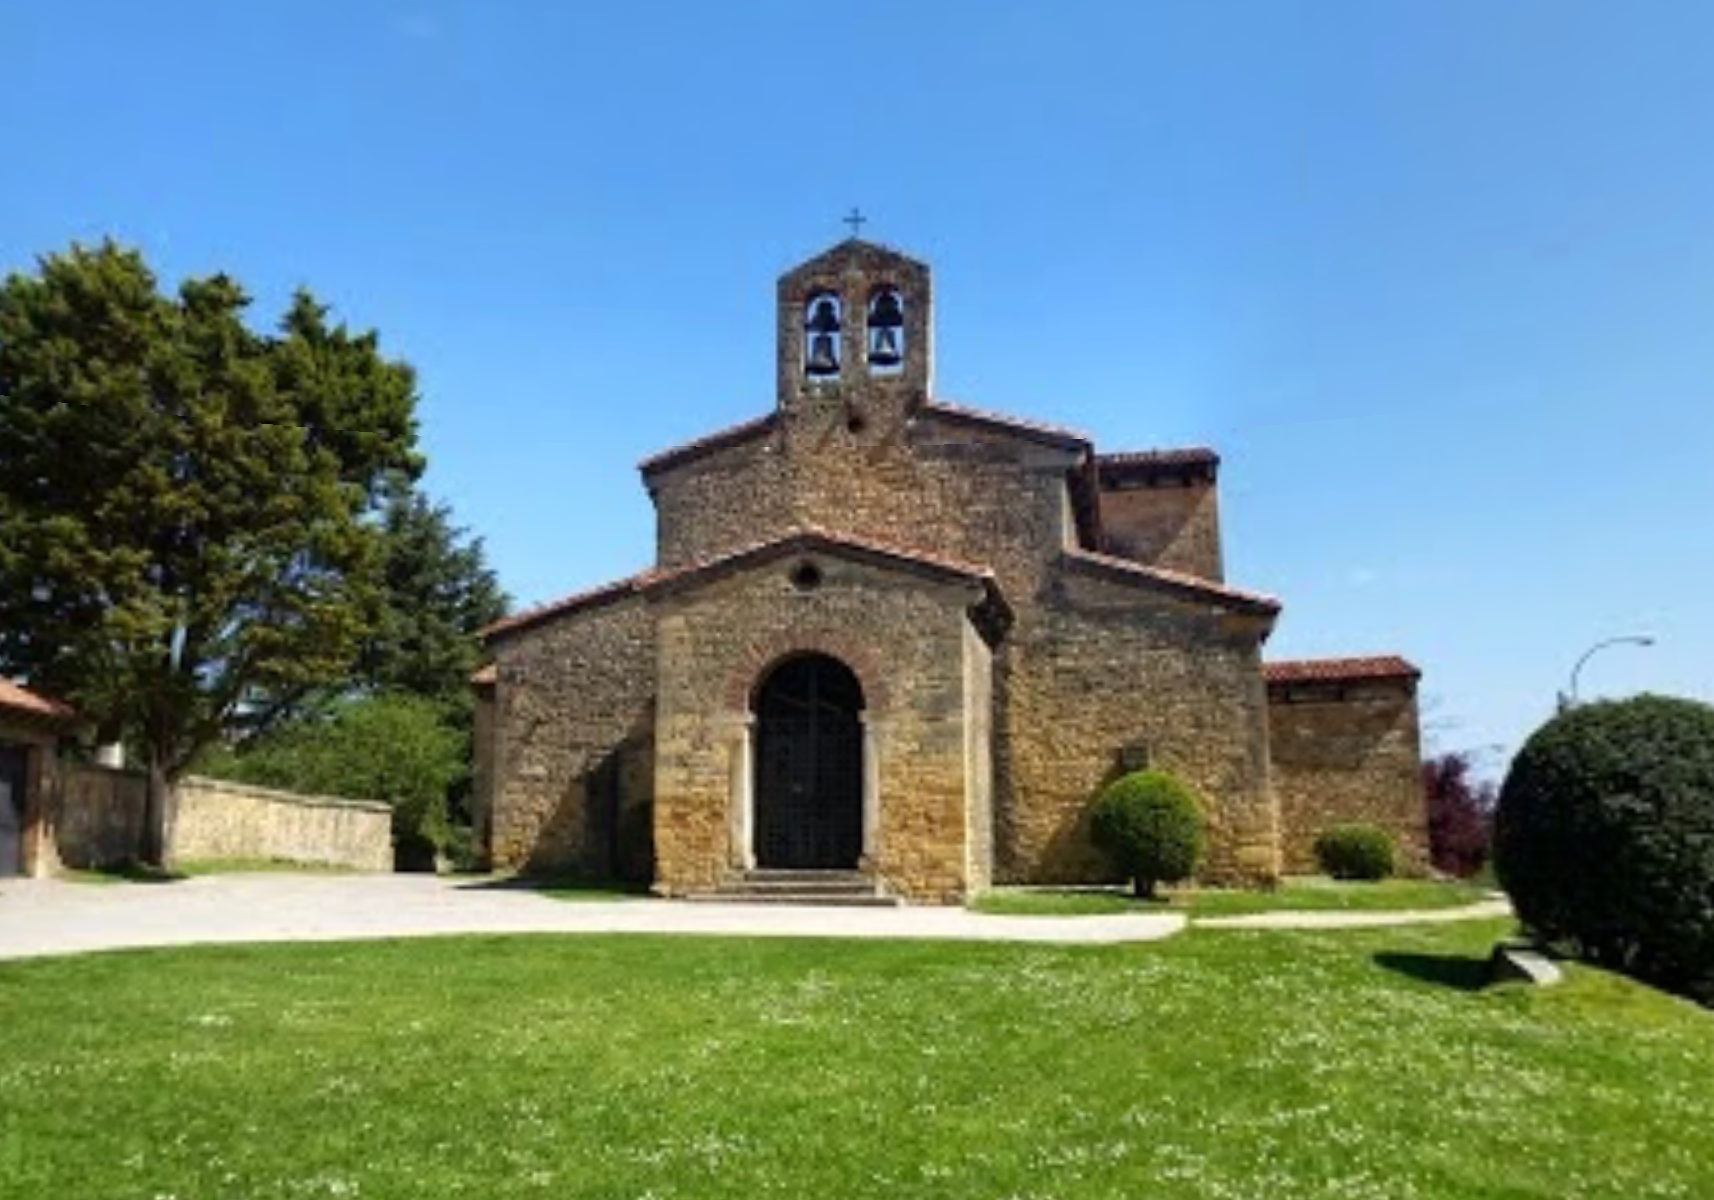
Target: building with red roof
(31, 725)
(891, 646)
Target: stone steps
(827, 888)
(816, 899)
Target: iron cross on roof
(856, 220)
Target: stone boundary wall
(95, 817)
(221, 819)
(97, 820)
(1348, 752)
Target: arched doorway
(809, 766)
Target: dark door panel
(809, 766)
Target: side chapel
(896, 645)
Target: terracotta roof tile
(593, 597)
(1337, 670)
(813, 537)
(1176, 580)
(806, 538)
(732, 435)
(1058, 435)
(20, 699)
(1171, 456)
(849, 247)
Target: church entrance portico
(809, 773)
(821, 722)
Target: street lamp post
(1570, 698)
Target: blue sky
(1437, 279)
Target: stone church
(899, 643)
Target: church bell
(822, 360)
(886, 317)
(884, 348)
(823, 323)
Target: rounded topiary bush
(1356, 851)
(1149, 823)
(1604, 838)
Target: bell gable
(855, 328)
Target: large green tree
(184, 501)
(437, 591)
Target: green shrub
(395, 748)
(462, 851)
(1604, 838)
(1356, 851)
(1150, 825)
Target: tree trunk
(1144, 889)
(159, 808)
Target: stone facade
(572, 741)
(1346, 747)
(1111, 679)
(1026, 618)
(908, 636)
(1162, 507)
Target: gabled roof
(800, 541)
(595, 597)
(1035, 431)
(1192, 587)
(1339, 670)
(854, 248)
(1144, 466)
(813, 538)
(1176, 457)
(15, 698)
(732, 435)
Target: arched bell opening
(885, 331)
(822, 319)
(809, 769)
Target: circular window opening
(855, 423)
(806, 577)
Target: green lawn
(588, 892)
(574, 889)
(121, 873)
(1298, 895)
(1349, 1065)
(227, 866)
(138, 873)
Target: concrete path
(48, 916)
(1334, 919)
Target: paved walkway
(49, 916)
(1335, 919)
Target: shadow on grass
(123, 873)
(560, 886)
(1457, 971)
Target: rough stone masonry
(891, 636)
